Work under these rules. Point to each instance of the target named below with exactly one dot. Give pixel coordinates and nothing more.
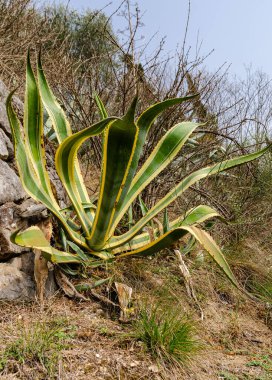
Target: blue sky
(240, 31)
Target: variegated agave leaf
(92, 227)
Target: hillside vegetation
(184, 319)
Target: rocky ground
(236, 343)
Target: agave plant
(92, 228)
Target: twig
(188, 280)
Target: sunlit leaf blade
(144, 123)
(165, 151)
(172, 237)
(104, 255)
(213, 250)
(33, 237)
(54, 110)
(195, 216)
(181, 187)
(144, 210)
(28, 176)
(60, 125)
(150, 114)
(88, 206)
(65, 158)
(130, 217)
(143, 206)
(33, 127)
(101, 107)
(77, 250)
(165, 241)
(119, 144)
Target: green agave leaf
(150, 115)
(130, 217)
(165, 151)
(105, 255)
(85, 287)
(119, 144)
(213, 250)
(197, 215)
(172, 237)
(54, 110)
(74, 226)
(66, 268)
(28, 176)
(103, 114)
(189, 246)
(165, 241)
(144, 123)
(162, 155)
(84, 204)
(78, 251)
(144, 210)
(143, 206)
(180, 188)
(194, 216)
(33, 127)
(65, 157)
(101, 107)
(33, 237)
(88, 206)
(63, 239)
(61, 127)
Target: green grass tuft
(39, 346)
(166, 335)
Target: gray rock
(6, 147)
(3, 146)
(50, 285)
(3, 92)
(14, 217)
(25, 263)
(30, 208)
(4, 123)
(15, 284)
(18, 105)
(18, 211)
(7, 248)
(10, 186)
(9, 222)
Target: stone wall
(17, 211)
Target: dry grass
(94, 345)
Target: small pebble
(153, 368)
(134, 364)
(99, 312)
